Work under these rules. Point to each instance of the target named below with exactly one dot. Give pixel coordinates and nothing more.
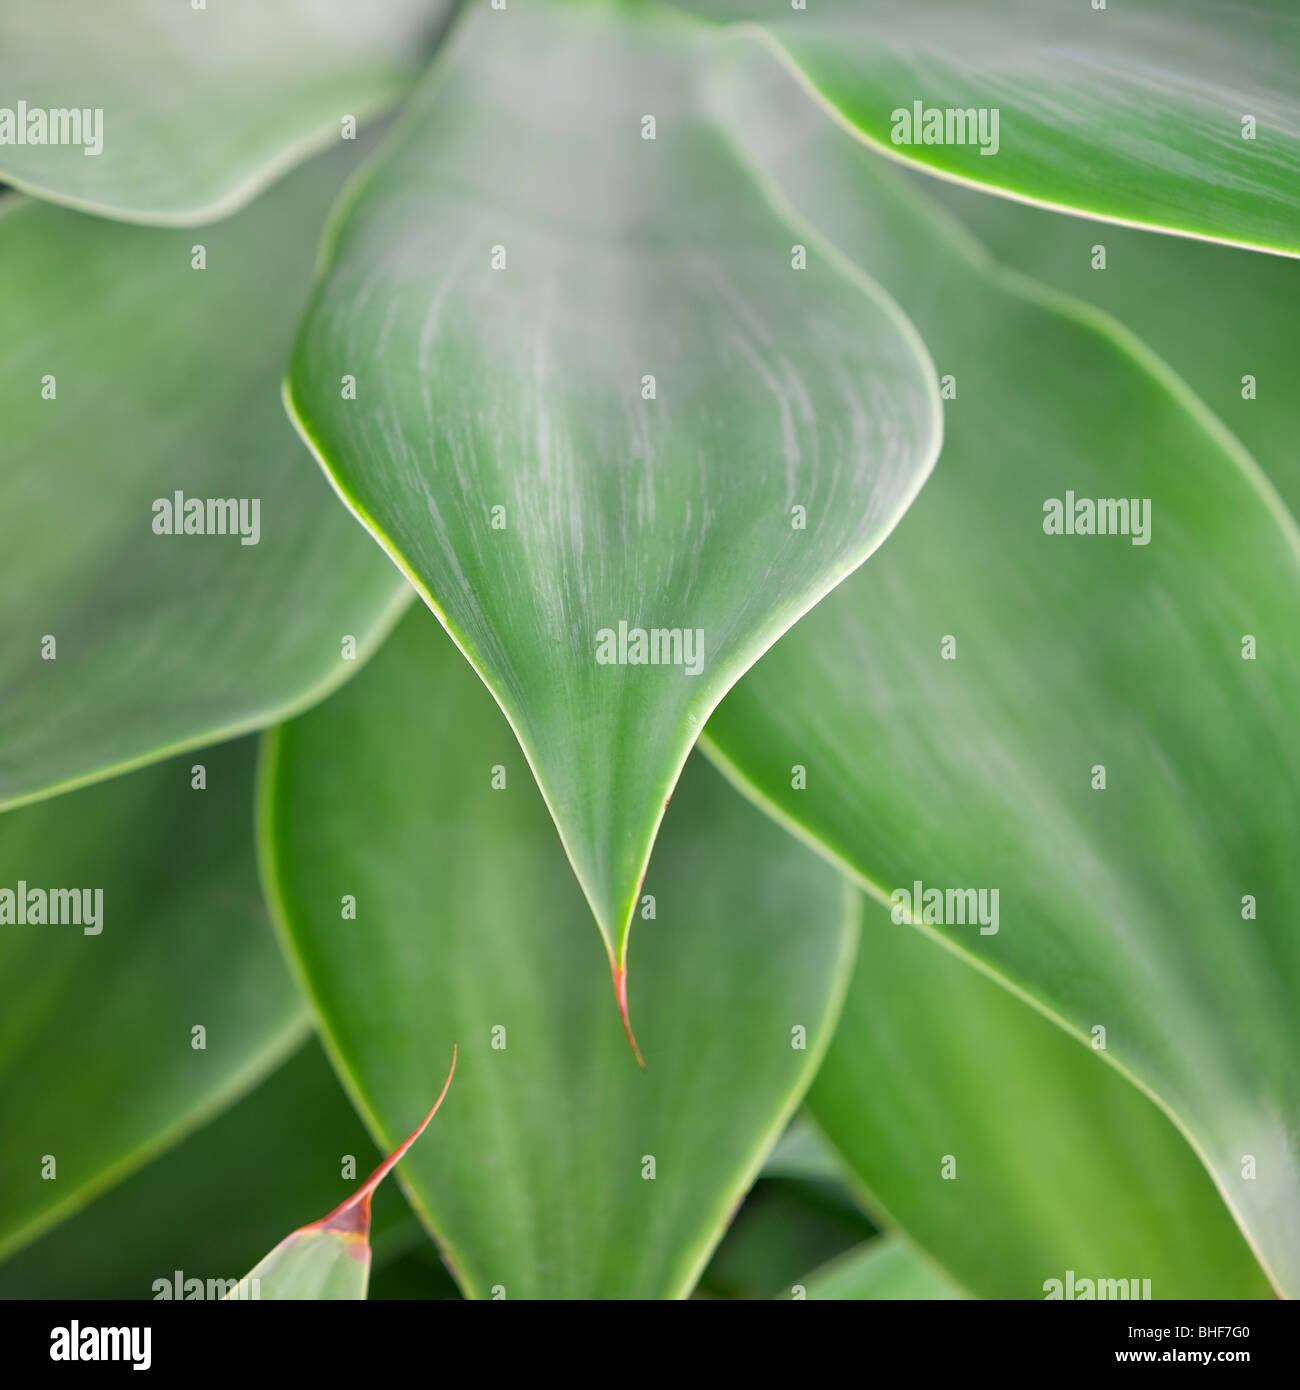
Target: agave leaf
(883, 1268)
(422, 896)
(1004, 1148)
(184, 112)
(1225, 320)
(594, 396)
(1098, 751)
(100, 1064)
(330, 1258)
(1184, 118)
(128, 376)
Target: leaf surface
(1225, 320)
(883, 1268)
(594, 398)
(802, 1152)
(280, 1152)
(184, 114)
(560, 1170)
(126, 378)
(784, 1227)
(1006, 1149)
(100, 1063)
(1184, 118)
(1162, 905)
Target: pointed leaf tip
(478, 366)
(619, 973)
(330, 1258)
(354, 1213)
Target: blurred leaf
(560, 1170)
(1060, 1163)
(1120, 908)
(330, 1258)
(99, 1064)
(1136, 112)
(166, 382)
(883, 1268)
(502, 445)
(783, 1228)
(276, 1153)
(199, 109)
(1215, 313)
(801, 1152)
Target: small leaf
(330, 1259)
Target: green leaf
(1125, 907)
(783, 1228)
(1137, 113)
(1225, 320)
(183, 115)
(1056, 1161)
(801, 1152)
(163, 380)
(465, 928)
(330, 1258)
(100, 1063)
(189, 1222)
(501, 447)
(881, 1269)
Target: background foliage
(356, 792)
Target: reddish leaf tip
(619, 973)
(353, 1215)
